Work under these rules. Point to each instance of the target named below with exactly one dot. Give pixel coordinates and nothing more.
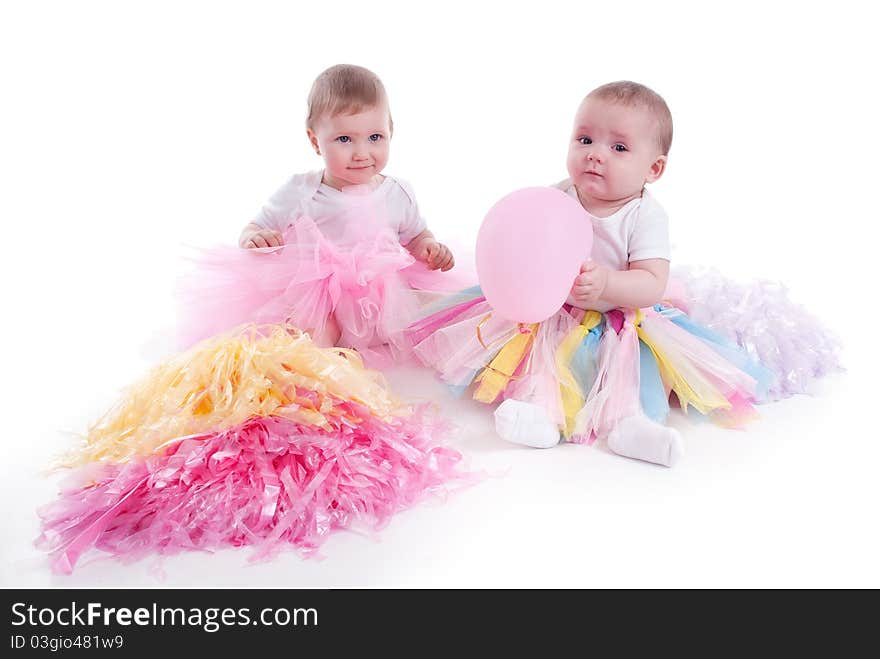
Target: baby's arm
(422, 245)
(265, 230)
(642, 285)
(425, 248)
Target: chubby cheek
(572, 164)
(624, 180)
(380, 156)
(335, 160)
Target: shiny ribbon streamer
(494, 378)
(479, 332)
(570, 391)
(504, 338)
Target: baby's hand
(438, 256)
(260, 238)
(589, 284)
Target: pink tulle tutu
(257, 438)
(366, 281)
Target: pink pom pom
(268, 483)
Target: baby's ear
(313, 139)
(657, 169)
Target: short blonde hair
(344, 89)
(633, 94)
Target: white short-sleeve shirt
(305, 194)
(636, 232)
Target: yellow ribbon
(494, 377)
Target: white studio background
(131, 129)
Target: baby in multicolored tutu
(606, 364)
(620, 143)
(343, 253)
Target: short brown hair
(344, 89)
(633, 94)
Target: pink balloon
(529, 250)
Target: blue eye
(375, 137)
(619, 148)
(585, 140)
(344, 139)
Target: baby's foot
(525, 423)
(640, 438)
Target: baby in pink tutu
(343, 252)
(607, 363)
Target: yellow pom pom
(224, 380)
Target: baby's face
(613, 151)
(354, 146)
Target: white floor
(791, 502)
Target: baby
(342, 252)
(620, 143)
(605, 364)
(349, 125)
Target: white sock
(640, 438)
(525, 423)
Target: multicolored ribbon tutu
(590, 370)
(365, 280)
(257, 438)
